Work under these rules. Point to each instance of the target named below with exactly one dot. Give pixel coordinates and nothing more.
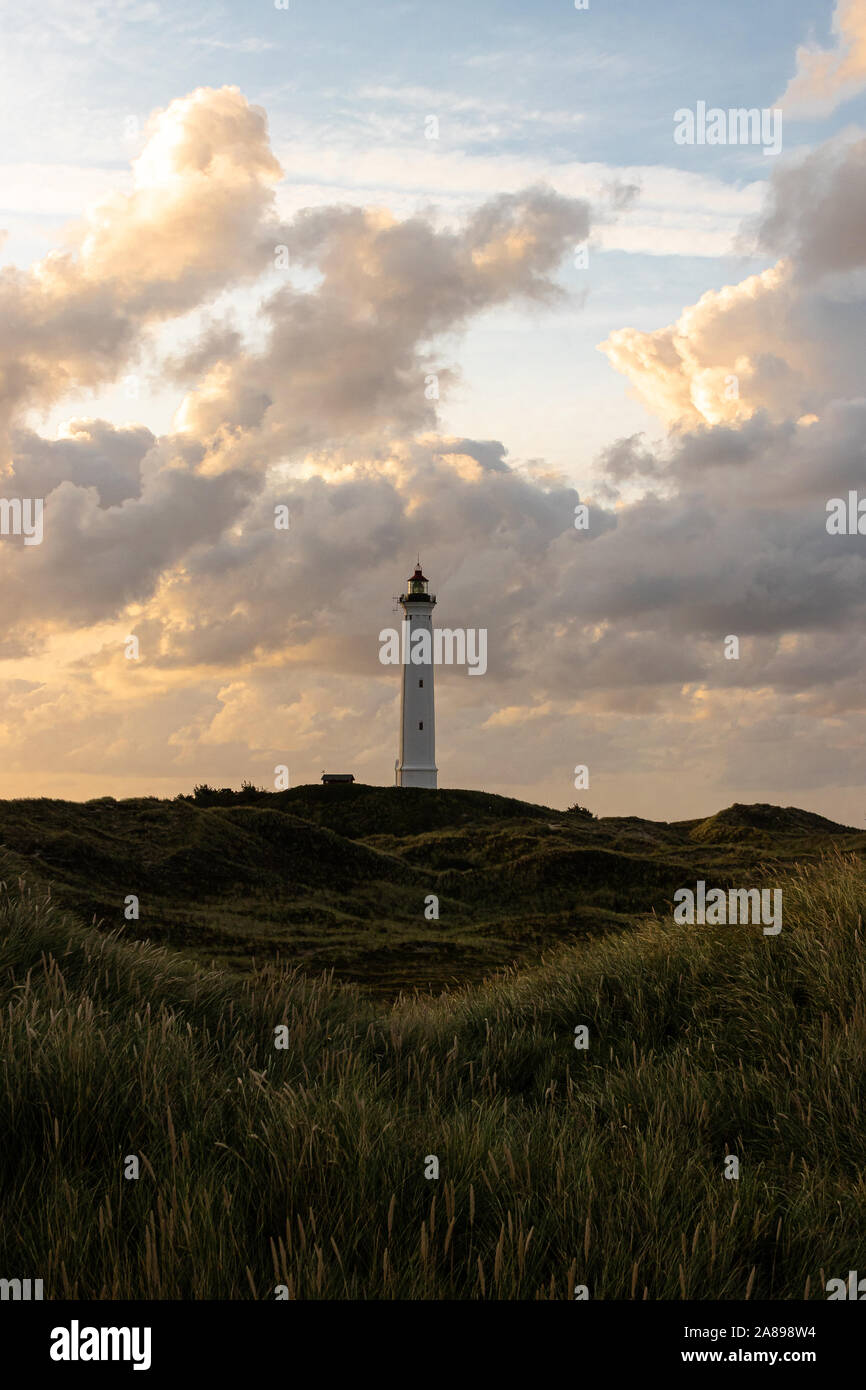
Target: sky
(431, 277)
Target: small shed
(338, 776)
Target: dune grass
(305, 1167)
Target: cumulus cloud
(724, 527)
(343, 366)
(816, 212)
(353, 356)
(198, 217)
(90, 453)
(826, 77)
(782, 341)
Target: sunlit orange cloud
(826, 77)
(515, 715)
(704, 369)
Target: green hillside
(337, 877)
(304, 1167)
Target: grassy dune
(337, 877)
(558, 1167)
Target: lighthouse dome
(417, 582)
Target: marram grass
(304, 1168)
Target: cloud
(341, 369)
(816, 212)
(745, 348)
(352, 357)
(827, 77)
(197, 218)
(782, 341)
(91, 453)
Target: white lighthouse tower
(417, 764)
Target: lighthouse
(417, 763)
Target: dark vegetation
(304, 1167)
(336, 877)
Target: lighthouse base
(417, 777)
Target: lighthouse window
(421, 724)
(420, 683)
